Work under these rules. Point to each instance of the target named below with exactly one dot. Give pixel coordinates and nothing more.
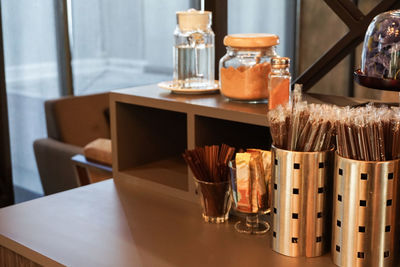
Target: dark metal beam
(352, 64)
(219, 9)
(346, 11)
(296, 59)
(346, 44)
(351, 7)
(329, 60)
(6, 185)
(291, 33)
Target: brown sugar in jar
(246, 83)
(243, 71)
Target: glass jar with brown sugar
(244, 69)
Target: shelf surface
(172, 172)
(213, 105)
(114, 223)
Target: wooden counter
(120, 224)
(148, 215)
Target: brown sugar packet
(258, 187)
(264, 183)
(243, 182)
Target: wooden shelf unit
(151, 128)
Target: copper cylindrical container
(301, 202)
(365, 203)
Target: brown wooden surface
(115, 223)
(211, 105)
(9, 258)
(171, 172)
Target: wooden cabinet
(151, 128)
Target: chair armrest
(53, 159)
(88, 172)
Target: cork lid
(251, 40)
(193, 19)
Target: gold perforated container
(301, 202)
(365, 203)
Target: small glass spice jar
(244, 69)
(279, 82)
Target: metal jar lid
(280, 62)
(251, 40)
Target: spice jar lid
(251, 40)
(280, 62)
(193, 19)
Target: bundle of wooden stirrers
(302, 127)
(210, 163)
(368, 133)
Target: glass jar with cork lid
(194, 51)
(244, 69)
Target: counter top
(121, 223)
(116, 223)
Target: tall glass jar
(194, 50)
(244, 69)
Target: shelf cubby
(149, 142)
(151, 128)
(210, 131)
